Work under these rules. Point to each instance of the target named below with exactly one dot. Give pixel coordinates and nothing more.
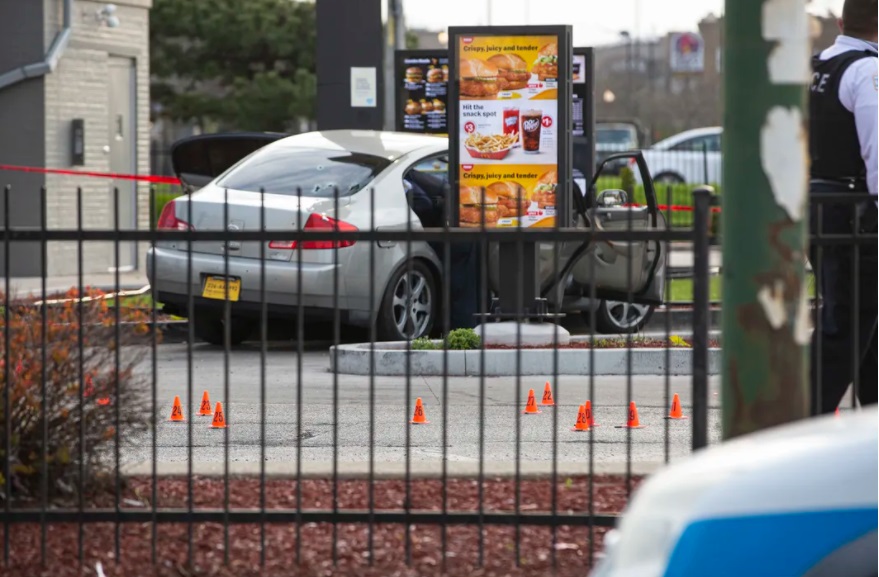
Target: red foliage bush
(63, 414)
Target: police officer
(843, 148)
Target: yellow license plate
(215, 288)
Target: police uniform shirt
(858, 93)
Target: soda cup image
(531, 124)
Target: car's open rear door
(197, 160)
(619, 269)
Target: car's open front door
(197, 160)
(619, 269)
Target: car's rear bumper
(167, 272)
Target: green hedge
(162, 194)
(673, 194)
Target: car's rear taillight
(168, 219)
(318, 222)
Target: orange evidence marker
(418, 417)
(632, 422)
(547, 395)
(177, 411)
(205, 409)
(531, 405)
(219, 421)
(582, 420)
(590, 417)
(676, 411)
(836, 413)
(103, 402)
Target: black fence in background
(88, 391)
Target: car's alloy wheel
(621, 317)
(408, 308)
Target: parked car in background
(691, 157)
(321, 180)
(797, 500)
(614, 137)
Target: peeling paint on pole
(765, 306)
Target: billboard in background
(687, 52)
(510, 125)
(422, 78)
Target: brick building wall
(79, 88)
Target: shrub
(462, 340)
(65, 416)
(424, 344)
(627, 181)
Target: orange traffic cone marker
(177, 411)
(418, 418)
(582, 420)
(531, 405)
(547, 395)
(205, 409)
(590, 418)
(836, 412)
(219, 421)
(632, 422)
(676, 411)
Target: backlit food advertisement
(422, 93)
(508, 131)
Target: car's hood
(198, 160)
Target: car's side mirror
(612, 197)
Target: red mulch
(615, 343)
(572, 544)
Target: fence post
(701, 283)
(765, 180)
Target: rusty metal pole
(766, 316)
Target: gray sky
(594, 21)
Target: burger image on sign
(414, 75)
(479, 79)
(546, 66)
(544, 189)
(478, 206)
(512, 71)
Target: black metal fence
(106, 458)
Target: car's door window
(436, 166)
(709, 142)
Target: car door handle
(386, 243)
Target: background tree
(234, 64)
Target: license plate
(215, 288)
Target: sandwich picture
(414, 74)
(477, 205)
(438, 105)
(435, 75)
(426, 106)
(512, 71)
(544, 190)
(479, 79)
(547, 64)
(413, 107)
(512, 198)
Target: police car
(799, 500)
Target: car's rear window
(306, 171)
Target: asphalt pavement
(299, 420)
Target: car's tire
(616, 317)
(398, 319)
(209, 326)
(668, 178)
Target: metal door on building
(123, 152)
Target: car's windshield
(614, 136)
(311, 172)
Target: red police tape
(173, 180)
(153, 179)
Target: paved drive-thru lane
(392, 412)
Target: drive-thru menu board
(509, 132)
(422, 93)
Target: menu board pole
(510, 146)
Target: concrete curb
(417, 469)
(391, 360)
